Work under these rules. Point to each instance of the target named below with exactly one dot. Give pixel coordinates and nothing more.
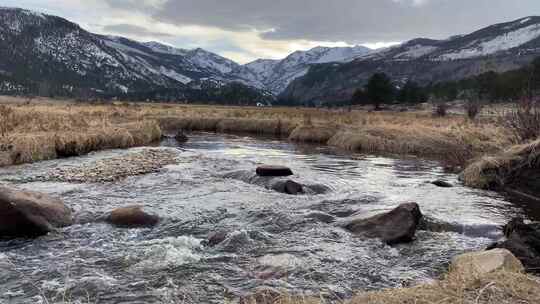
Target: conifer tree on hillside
(380, 90)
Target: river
(273, 240)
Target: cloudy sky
(244, 30)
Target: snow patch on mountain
(165, 49)
(174, 75)
(416, 51)
(503, 42)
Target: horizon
(269, 33)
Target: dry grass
(453, 138)
(496, 171)
(495, 288)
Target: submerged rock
(215, 238)
(273, 171)
(30, 214)
(484, 262)
(181, 137)
(442, 184)
(288, 187)
(131, 217)
(396, 226)
(321, 217)
(523, 240)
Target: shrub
(473, 109)
(524, 120)
(6, 120)
(440, 110)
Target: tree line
(489, 87)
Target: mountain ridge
(499, 47)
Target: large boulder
(273, 171)
(523, 240)
(484, 262)
(131, 217)
(396, 226)
(30, 214)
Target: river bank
(33, 132)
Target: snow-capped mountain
(275, 75)
(38, 48)
(499, 48)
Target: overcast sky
(244, 30)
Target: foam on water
(168, 252)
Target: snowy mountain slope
(499, 48)
(275, 75)
(61, 51)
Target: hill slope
(499, 48)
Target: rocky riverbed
(142, 161)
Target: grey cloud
(130, 29)
(354, 21)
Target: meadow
(45, 129)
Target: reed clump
(499, 287)
(499, 170)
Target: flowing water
(274, 240)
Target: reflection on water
(273, 239)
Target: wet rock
(396, 226)
(30, 214)
(442, 184)
(237, 241)
(181, 137)
(523, 240)
(321, 217)
(287, 187)
(278, 184)
(273, 171)
(215, 238)
(131, 217)
(479, 263)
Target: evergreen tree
(411, 93)
(380, 90)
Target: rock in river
(523, 240)
(288, 187)
(396, 226)
(131, 217)
(30, 214)
(181, 137)
(443, 184)
(274, 171)
(278, 184)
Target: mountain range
(499, 48)
(41, 52)
(40, 48)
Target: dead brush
(524, 120)
(6, 120)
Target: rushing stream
(273, 241)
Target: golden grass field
(37, 129)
